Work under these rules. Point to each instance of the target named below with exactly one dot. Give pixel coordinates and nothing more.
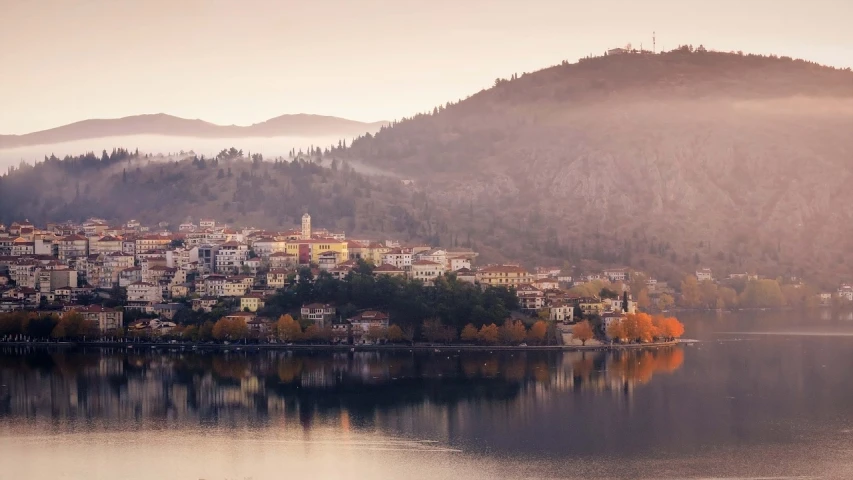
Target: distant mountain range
(162, 124)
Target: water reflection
(301, 386)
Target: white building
(144, 292)
(230, 257)
(704, 274)
(426, 270)
(398, 257)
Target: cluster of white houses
(206, 262)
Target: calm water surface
(759, 395)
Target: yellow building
(504, 275)
(251, 302)
(308, 251)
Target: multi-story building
(253, 303)
(214, 285)
(107, 319)
(398, 257)
(230, 257)
(147, 243)
(530, 298)
(55, 278)
(113, 263)
(319, 313)
(282, 260)
(704, 274)
(504, 275)
(386, 269)
(436, 255)
(364, 321)
(207, 257)
(22, 246)
(308, 251)
(426, 270)
(234, 288)
(266, 246)
(562, 312)
(277, 278)
(140, 293)
(72, 248)
(129, 276)
(104, 245)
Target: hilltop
(668, 161)
(162, 124)
(240, 191)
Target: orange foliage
(537, 332)
(469, 333)
(488, 334)
(582, 331)
(513, 332)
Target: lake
(758, 395)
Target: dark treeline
(408, 302)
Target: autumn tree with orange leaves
(537, 332)
(469, 334)
(582, 331)
(488, 334)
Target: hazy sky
(246, 61)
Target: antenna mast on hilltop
(654, 43)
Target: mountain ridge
(736, 162)
(170, 125)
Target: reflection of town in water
(301, 386)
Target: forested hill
(234, 189)
(690, 158)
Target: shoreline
(354, 348)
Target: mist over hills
(664, 163)
(737, 162)
(298, 125)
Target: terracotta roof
(424, 262)
(385, 267)
(369, 315)
(72, 238)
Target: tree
(669, 328)
(513, 332)
(665, 301)
(233, 329)
(488, 334)
(764, 293)
(616, 331)
(690, 296)
(582, 331)
(537, 332)
(469, 333)
(708, 294)
(376, 333)
(205, 332)
(727, 297)
(311, 333)
(394, 334)
(646, 330)
(288, 329)
(433, 330)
